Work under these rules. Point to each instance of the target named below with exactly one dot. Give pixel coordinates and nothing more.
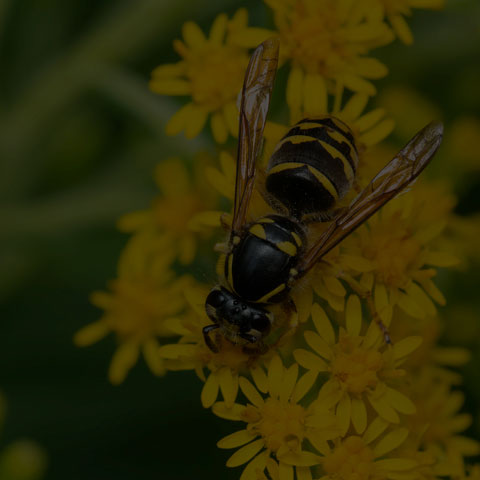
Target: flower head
(172, 213)
(211, 73)
(277, 424)
(362, 370)
(327, 44)
(396, 11)
(372, 456)
(142, 300)
(400, 243)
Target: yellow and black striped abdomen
(313, 166)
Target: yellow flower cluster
(330, 399)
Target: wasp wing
(398, 174)
(257, 89)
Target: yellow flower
(222, 180)
(142, 301)
(211, 72)
(327, 44)
(400, 243)
(440, 361)
(277, 424)
(361, 368)
(438, 424)
(172, 213)
(396, 10)
(371, 456)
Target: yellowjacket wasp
(310, 170)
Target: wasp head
(237, 318)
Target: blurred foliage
(80, 135)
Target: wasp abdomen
(313, 166)
(260, 265)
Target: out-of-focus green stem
(128, 29)
(114, 191)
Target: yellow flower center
(356, 368)
(351, 460)
(229, 355)
(138, 309)
(174, 213)
(216, 74)
(279, 423)
(394, 250)
(315, 36)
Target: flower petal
(343, 414)
(359, 415)
(303, 459)
(323, 324)
(304, 385)
(91, 333)
(285, 471)
(318, 344)
(245, 453)
(309, 360)
(260, 378)
(228, 413)
(210, 390)
(383, 408)
(218, 29)
(254, 467)
(237, 439)
(375, 429)
(315, 94)
(250, 392)
(405, 347)
(275, 376)
(390, 441)
(289, 381)
(124, 358)
(353, 316)
(228, 385)
(400, 402)
(193, 35)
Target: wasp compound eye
(261, 323)
(215, 298)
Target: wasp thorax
(225, 308)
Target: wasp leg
(208, 340)
(367, 296)
(224, 222)
(221, 247)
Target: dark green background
(79, 136)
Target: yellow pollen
(394, 251)
(173, 213)
(315, 36)
(351, 460)
(356, 368)
(216, 75)
(136, 312)
(280, 424)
